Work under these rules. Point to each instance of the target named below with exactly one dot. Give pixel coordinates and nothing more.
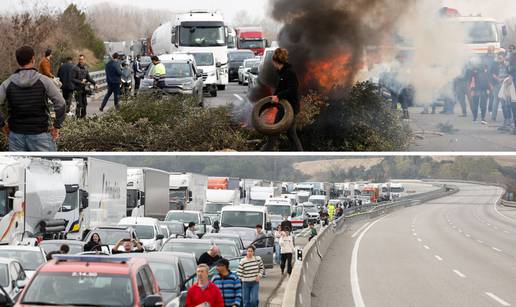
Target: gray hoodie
(25, 79)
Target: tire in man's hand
(262, 115)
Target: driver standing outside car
(129, 246)
(287, 89)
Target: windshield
(204, 59)
(241, 219)
(250, 64)
(175, 228)
(48, 247)
(205, 36)
(180, 194)
(4, 275)
(279, 210)
(213, 208)
(227, 250)
(397, 190)
(252, 44)
(317, 201)
(303, 199)
(240, 56)
(111, 236)
(166, 275)
(145, 60)
(244, 234)
(237, 240)
(257, 202)
(311, 209)
(78, 288)
(367, 193)
(189, 265)
(481, 32)
(3, 203)
(183, 217)
(132, 200)
(30, 260)
(178, 70)
(143, 231)
(71, 201)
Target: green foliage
(361, 120)
(83, 34)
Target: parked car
(226, 236)
(202, 223)
(145, 62)
(175, 228)
(169, 273)
(188, 261)
(252, 75)
(30, 257)
(110, 235)
(76, 247)
(78, 280)
(182, 77)
(147, 230)
(236, 58)
(264, 246)
(12, 277)
(243, 71)
(228, 249)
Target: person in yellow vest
(331, 211)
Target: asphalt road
(456, 251)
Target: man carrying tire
(287, 89)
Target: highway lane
(455, 251)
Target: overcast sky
(228, 7)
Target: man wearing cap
(228, 283)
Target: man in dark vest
(26, 95)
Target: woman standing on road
(277, 249)
(250, 271)
(287, 89)
(287, 249)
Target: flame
(329, 73)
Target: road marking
(507, 232)
(496, 249)
(239, 97)
(454, 227)
(419, 239)
(488, 224)
(496, 228)
(460, 230)
(359, 230)
(415, 234)
(480, 241)
(499, 213)
(355, 285)
(496, 298)
(459, 273)
(467, 235)
(426, 246)
(438, 258)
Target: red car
(81, 280)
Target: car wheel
(213, 93)
(272, 129)
(221, 87)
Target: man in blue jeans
(26, 95)
(113, 79)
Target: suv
(147, 229)
(110, 235)
(93, 281)
(236, 58)
(182, 77)
(202, 223)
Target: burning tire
(268, 127)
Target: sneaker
(101, 110)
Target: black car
(236, 58)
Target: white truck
(187, 191)
(482, 33)
(218, 199)
(245, 216)
(195, 32)
(31, 193)
(147, 192)
(259, 195)
(95, 195)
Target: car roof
(69, 242)
(225, 234)
(111, 267)
(249, 208)
(4, 260)
(156, 256)
(185, 211)
(21, 248)
(118, 228)
(181, 254)
(138, 221)
(201, 241)
(241, 51)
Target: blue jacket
(230, 287)
(113, 72)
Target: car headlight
(188, 86)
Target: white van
(246, 216)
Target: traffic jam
(89, 232)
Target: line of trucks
(57, 199)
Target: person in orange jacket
(45, 66)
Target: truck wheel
(278, 128)
(221, 87)
(213, 93)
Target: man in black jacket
(113, 79)
(81, 77)
(26, 94)
(65, 76)
(287, 89)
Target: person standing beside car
(287, 250)
(204, 293)
(81, 77)
(138, 74)
(287, 89)
(251, 270)
(64, 74)
(26, 94)
(113, 78)
(229, 284)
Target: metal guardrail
(100, 79)
(507, 203)
(299, 288)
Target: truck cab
(247, 216)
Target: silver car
(243, 71)
(12, 277)
(182, 77)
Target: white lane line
(426, 246)
(419, 240)
(355, 285)
(480, 241)
(499, 213)
(359, 230)
(438, 258)
(415, 234)
(507, 232)
(460, 230)
(459, 273)
(468, 235)
(496, 249)
(496, 298)
(239, 97)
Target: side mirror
(190, 195)
(152, 301)
(254, 70)
(160, 237)
(84, 196)
(505, 32)
(219, 65)
(21, 283)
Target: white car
(30, 257)
(243, 71)
(12, 277)
(148, 231)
